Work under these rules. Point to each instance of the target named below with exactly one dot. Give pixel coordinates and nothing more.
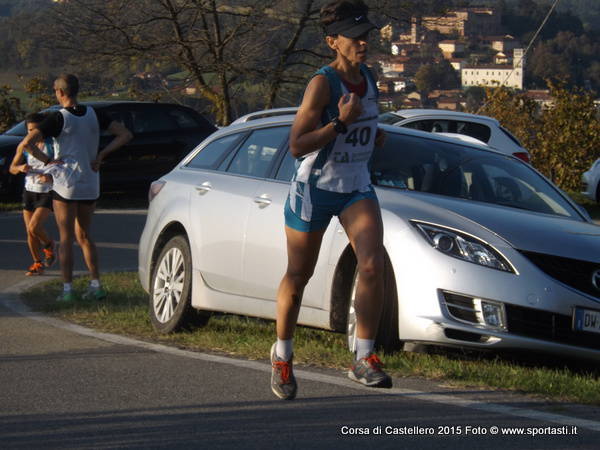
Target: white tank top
(33, 179)
(78, 144)
(342, 165)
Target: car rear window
(389, 118)
(473, 129)
(209, 156)
(258, 151)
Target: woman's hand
(350, 108)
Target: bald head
(68, 83)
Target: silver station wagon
(482, 251)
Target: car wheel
(598, 193)
(170, 288)
(387, 335)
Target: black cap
(352, 27)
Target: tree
(569, 138)
(426, 80)
(566, 57)
(563, 140)
(475, 96)
(435, 76)
(10, 108)
(38, 89)
(222, 47)
(216, 44)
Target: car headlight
(463, 246)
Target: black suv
(163, 134)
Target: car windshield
(389, 118)
(455, 170)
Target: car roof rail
(266, 113)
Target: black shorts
(34, 200)
(57, 197)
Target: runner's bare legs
(83, 224)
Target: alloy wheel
(168, 285)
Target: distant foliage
(39, 91)
(563, 140)
(569, 139)
(10, 108)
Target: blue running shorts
(310, 209)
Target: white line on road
(9, 298)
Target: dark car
(163, 134)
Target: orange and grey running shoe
(283, 382)
(37, 268)
(49, 255)
(368, 371)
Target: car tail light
(155, 188)
(524, 156)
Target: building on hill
(474, 21)
(451, 103)
(399, 65)
(542, 97)
(451, 48)
(392, 85)
(504, 44)
(510, 75)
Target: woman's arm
(306, 136)
(17, 166)
(29, 143)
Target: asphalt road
(67, 386)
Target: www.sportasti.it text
(457, 430)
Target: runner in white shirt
(332, 138)
(37, 199)
(76, 132)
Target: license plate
(586, 320)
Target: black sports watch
(339, 126)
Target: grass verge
(126, 312)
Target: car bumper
(537, 309)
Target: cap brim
(358, 30)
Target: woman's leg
(36, 226)
(362, 222)
(32, 242)
(303, 251)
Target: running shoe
(66, 296)
(94, 293)
(37, 268)
(283, 382)
(368, 371)
(49, 255)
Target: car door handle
(204, 188)
(263, 200)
